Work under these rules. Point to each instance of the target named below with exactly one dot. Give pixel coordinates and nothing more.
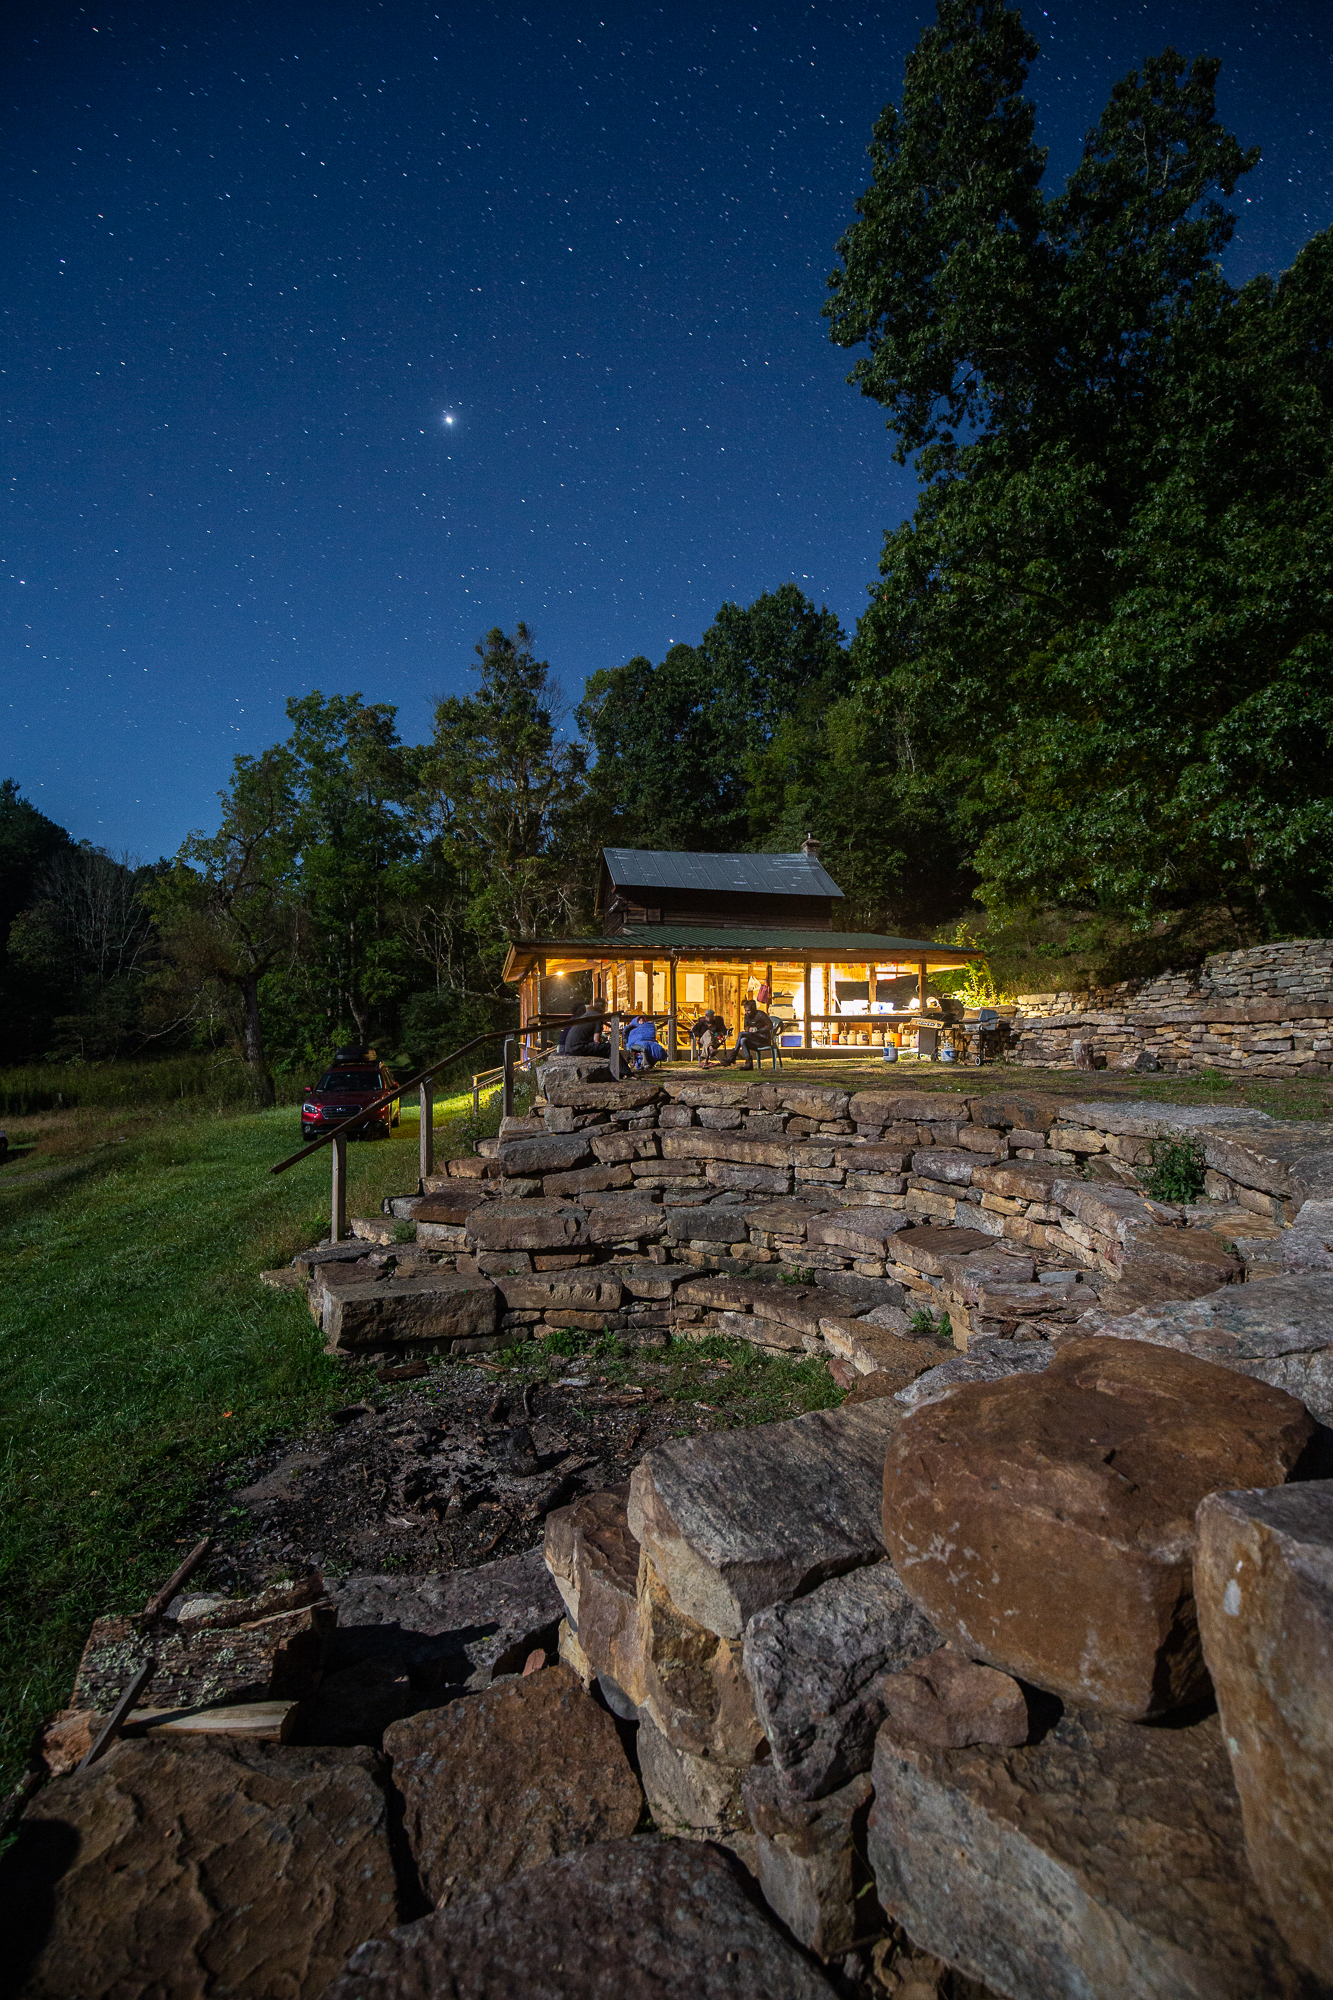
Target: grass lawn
(138, 1350)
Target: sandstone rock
(863, 1232)
(926, 1247)
(818, 1668)
(702, 1145)
(1293, 1162)
(1105, 1860)
(1192, 1262)
(399, 1312)
(461, 1628)
(1279, 1330)
(712, 1224)
(1077, 1489)
(1017, 1180)
(734, 1521)
(572, 1095)
(947, 1701)
(617, 1147)
(1263, 1581)
(238, 1868)
(634, 1216)
(528, 1225)
(584, 1181)
(873, 1158)
(691, 1797)
(625, 1920)
(1308, 1244)
(877, 1350)
(502, 1781)
(692, 1685)
(749, 1180)
(582, 1291)
(594, 1560)
(942, 1163)
(812, 1860)
(863, 1295)
(984, 1361)
(718, 1293)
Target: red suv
(356, 1078)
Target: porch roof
(705, 941)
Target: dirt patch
(442, 1474)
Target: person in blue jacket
(641, 1038)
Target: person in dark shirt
(576, 1010)
(584, 1037)
(710, 1034)
(757, 1033)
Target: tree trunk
(254, 1042)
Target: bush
(1177, 1170)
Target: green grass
(713, 1375)
(138, 1351)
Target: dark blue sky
(254, 255)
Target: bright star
(447, 416)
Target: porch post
(671, 1009)
(805, 1019)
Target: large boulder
(1046, 1523)
(239, 1868)
(734, 1521)
(1279, 1330)
(1263, 1581)
(626, 1920)
(818, 1668)
(1103, 1863)
(498, 1782)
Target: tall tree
(1105, 624)
(679, 745)
(229, 912)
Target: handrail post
(338, 1208)
(615, 1048)
(476, 1097)
(427, 1135)
(507, 1101)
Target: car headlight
(310, 1111)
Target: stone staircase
(860, 1227)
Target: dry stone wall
(1267, 1011)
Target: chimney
(810, 846)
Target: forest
(1083, 721)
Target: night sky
(255, 258)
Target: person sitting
(709, 1034)
(576, 1010)
(756, 1033)
(584, 1037)
(642, 1043)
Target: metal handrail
(424, 1076)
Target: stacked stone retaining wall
(1267, 1011)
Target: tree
(680, 744)
(228, 912)
(87, 939)
(497, 796)
(1106, 625)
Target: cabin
(680, 933)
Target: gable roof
(735, 874)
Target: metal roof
(726, 874)
(726, 941)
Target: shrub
(1176, 1171)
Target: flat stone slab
(480, 1622)
(396, 1312)
(1104, 1863)
(861, 1232)
(236, 1868)
(556, 1153)
(1279, 1330)
(737, 1520)
(1159, 1121)
(582, 1290)
(926, 1247)
(1263, 1579)
(499, 1782)
(640, 1919)
(817, 1668)
(984, 1361)
(1308, 1244)
(1292, 1161)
